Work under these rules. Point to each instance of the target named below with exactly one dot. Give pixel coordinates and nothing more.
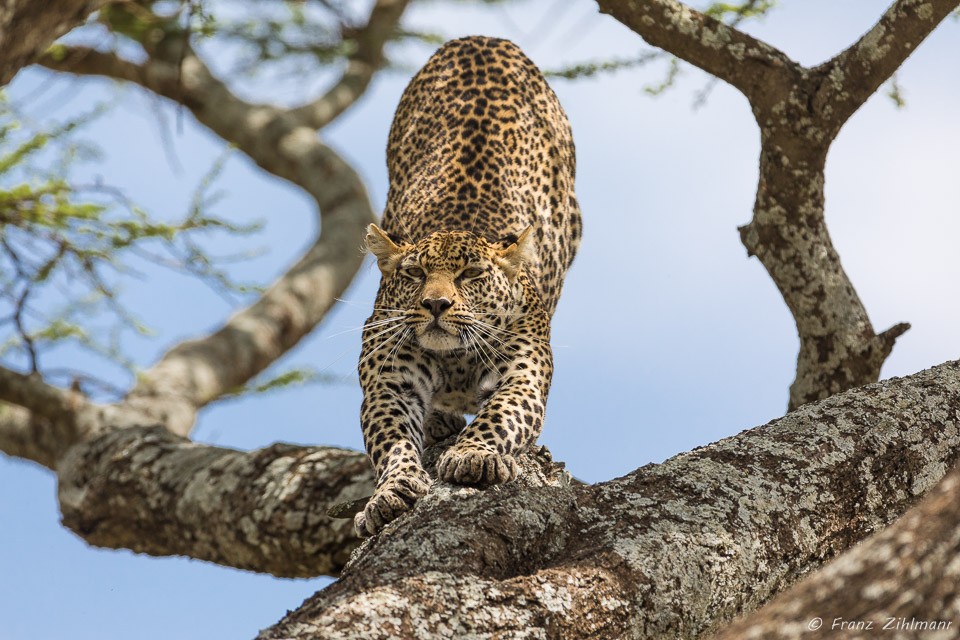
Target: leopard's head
(454, 288)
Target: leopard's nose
(436, 305)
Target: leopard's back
(480, 143)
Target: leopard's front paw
(471, 464)
(392, 498)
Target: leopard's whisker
(348, 350)
(488, 332)
(380, 346)
(492, 353)
(393, 352)
(377, 323)
(497, 330)
(366, 357)
(511, 333)
(495, 351)
(388, 329)
(481, 354)
(368, 325)
(365, 305)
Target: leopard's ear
(513, 257)
(388, 253)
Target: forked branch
(799, 111)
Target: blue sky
(667, 337)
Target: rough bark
(839, 348)
(799, 111)
(150, 491)
(126, 481)
(28, 27)
(903, 582)
(668, 551)
(41, 422)
(750, 65)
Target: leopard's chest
(467, 382)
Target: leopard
(480, 226)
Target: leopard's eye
(472, 272)
(413, 272)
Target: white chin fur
(438, 341)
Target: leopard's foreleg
(511, 417)
(395, 404)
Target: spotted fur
(480, 227)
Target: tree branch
(31, 392)
(28, 27)
(126, 479)
(283, 142)
(758, 70)
(25, 435)
(126, 484)
(899, 581)
(670, 550)
(148, 490)
(361, 65)
(839, 348)
(41, 422)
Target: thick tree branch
(758, 70)
(28, 27)
(904, 582)
(148, 490)
(127, 483)
(41, 422)
(38, 421)
(670, 550)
